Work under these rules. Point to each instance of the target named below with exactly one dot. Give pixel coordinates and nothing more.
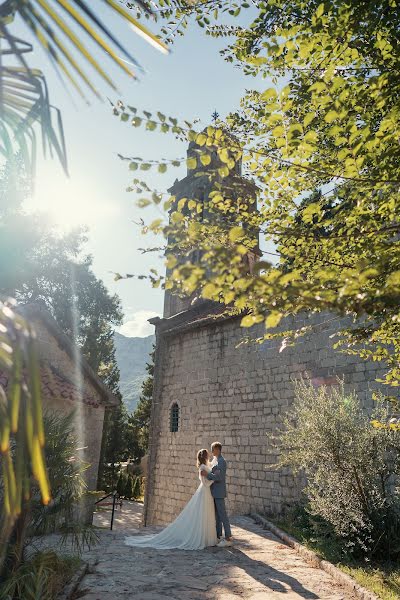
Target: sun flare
(70, 202)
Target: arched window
(174, 418)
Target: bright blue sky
(189, 83)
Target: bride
(194, 528)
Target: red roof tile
(56, 386)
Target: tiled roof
(31, 312)
(57, 387)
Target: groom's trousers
(222, 518)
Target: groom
(218, 490)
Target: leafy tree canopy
(322, 145)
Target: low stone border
(313, 559)
(71, 587)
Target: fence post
(113, 510)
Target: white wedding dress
(193, 529)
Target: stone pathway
(127, 518)
(258, 567)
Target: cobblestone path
(258, 567)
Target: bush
(352, 467)
(65, 473)
(121, 484)
(129, 488)
(66, 476)
(137, 488)
(42, 577)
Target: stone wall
(88, 419)
(236, 395)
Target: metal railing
(115, 498)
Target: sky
(191, 82)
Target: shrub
(66, 477)
(129, 488)
(137, 488)
(121, 484)
(40, 578)
(65, 473)
(352, 467)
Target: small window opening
(174, 418)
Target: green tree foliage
(116, 445)
(176, 15)
(321, 143)
(140, 419)
(352, 467)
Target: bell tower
(198, 183)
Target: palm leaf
(22, 112)
(25, 106)
(36, 22)
(48, 46)
(53, 18)
(21, 424)
(54, 24)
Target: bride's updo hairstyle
(202, 457)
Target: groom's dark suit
(218, 491)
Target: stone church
(210, 387)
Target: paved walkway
(129, 518)
(258, 567)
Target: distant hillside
(132, 354)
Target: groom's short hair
(216, 445)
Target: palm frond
(24, 103)
(50, 21)
(63, 28)
(21, 427)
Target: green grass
(382, 578)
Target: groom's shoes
(224, 544)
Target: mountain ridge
(132, 355)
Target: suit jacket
(218, 476)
